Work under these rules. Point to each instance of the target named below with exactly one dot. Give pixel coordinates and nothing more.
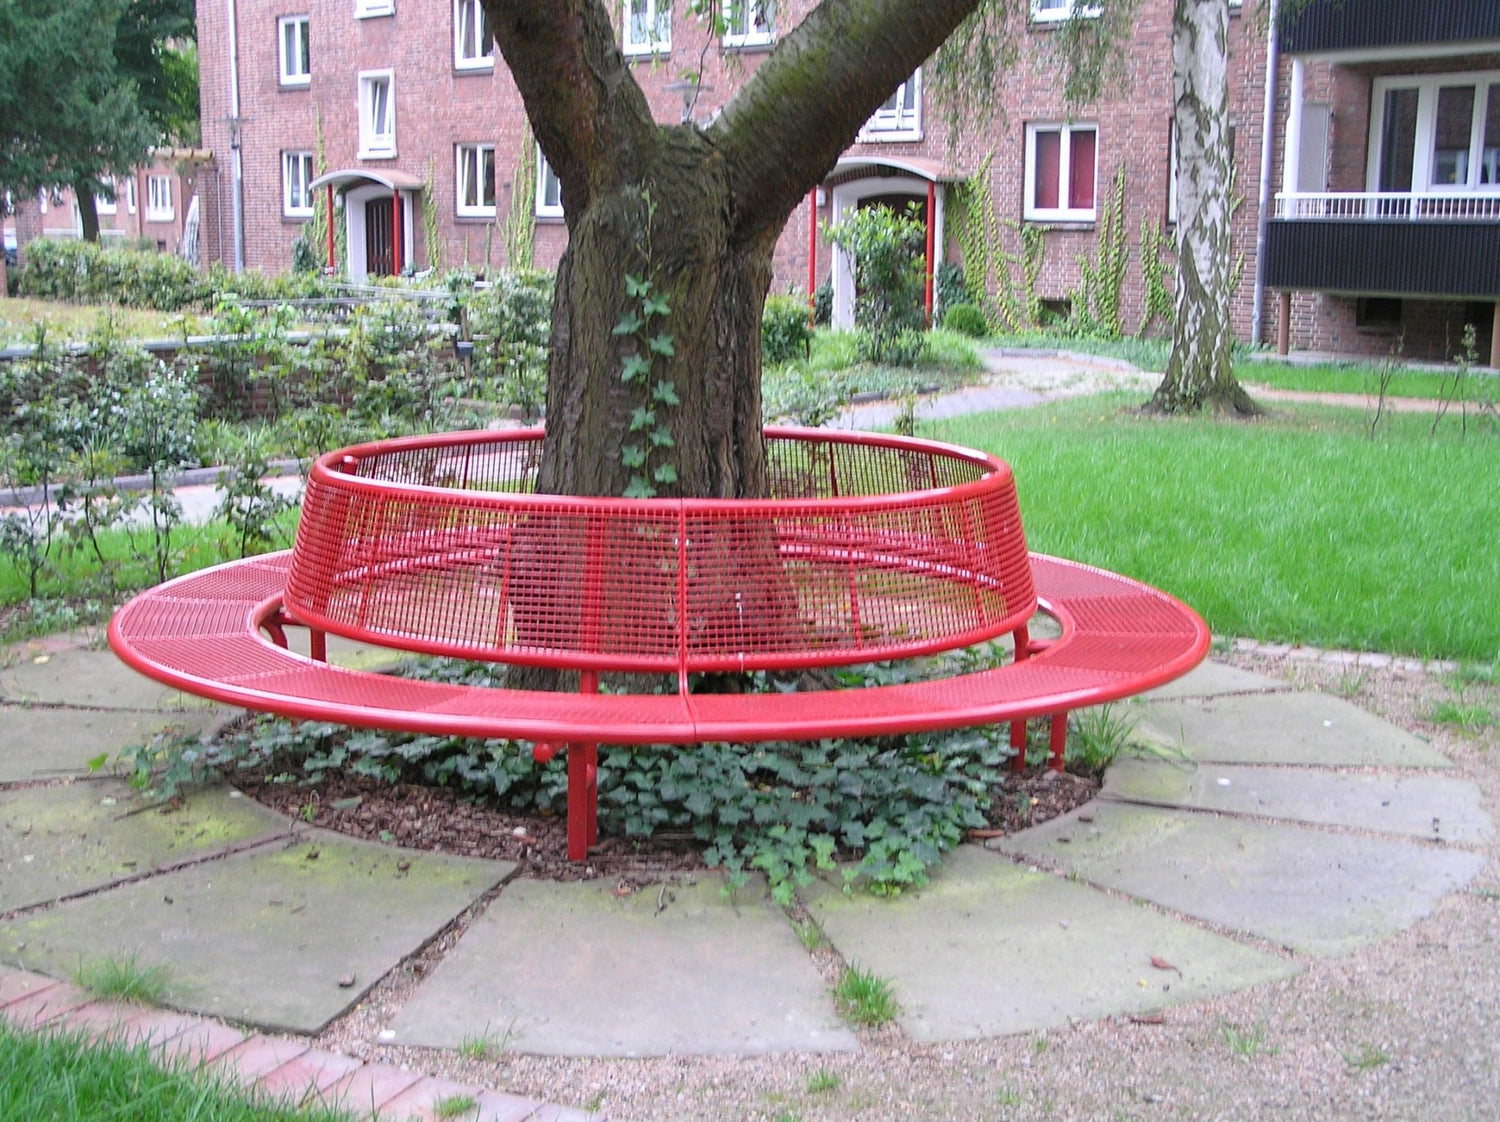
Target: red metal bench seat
(436, 544)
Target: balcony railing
(1390, 206)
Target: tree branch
(589, 116)
(787, 125)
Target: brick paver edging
(282, 1068)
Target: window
(1060, 172)
(130, 195)
(647, 27)
(548, 189)
(1437, 133)
(749, 23)
(476, 180)
(900, 118)
(364, 9)
(159, 198)
(377, 115)
(109, 205)
(296, 174)
(473, 45)
(296, 57)
(1055, 11)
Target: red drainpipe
(812, 254)
(398, 243)
(931, 241)
(332, 264)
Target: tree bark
(1200, 371)
(695, 213)
(88, 209)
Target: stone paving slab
(60, 840)
(1284, 728)
(1310, 890)
(1424, 806)
(989, 948)
(285, 936)
(1209, 679)
(570, 969)
(90, 679)
(47, 743)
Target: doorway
(380, 228)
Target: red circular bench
(871, 548)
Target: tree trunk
(88, 209)
(1200, 370)
(692, 416)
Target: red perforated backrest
(871, 547)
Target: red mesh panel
(869, 547)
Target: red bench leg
(583, 799)
(317, 642)
(1022, 637)
(1059, 741)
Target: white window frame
(739, 29)
(462, 171)
(659, 18)
(469, 21)
(292, 73)
(157, 187)
(1427, 86)
(544, 175)
(1061, 213)
(376, 145)
(110, 206)
(892, 125)
(369, 9)
(296, 164)
(1061, 11)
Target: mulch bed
(444, 821)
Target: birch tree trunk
(1199, 371)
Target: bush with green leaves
(891, 807)
(950, 286)
(784, 331)
(887, 249)
(84, 272)
(966, 319)
(511, 325)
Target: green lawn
(20, 315)
(60, 1078)
(1365, 379)
(1298, 528)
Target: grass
(1357, 378)
(865, 998)
(125, 979)
(1296, 528)
(1467, 716)
(1097, 735)
(1246, 1043)
(485, 1045)
(64, 1076)
(1367, 1057)
(20, 315)
(455, 1106)
(822, 1081)
(1148, 354)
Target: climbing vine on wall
(1158, 300)
(519, 231)
(431, 233)
(1096, 300)
(1008, 301)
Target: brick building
(153, 206)
(401, 111)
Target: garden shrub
(83, 272)
(784, 333)
(950, 287)
(511, 324)
(888, 253)
(823, 304)
(966, 319)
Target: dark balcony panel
(1399, 258)
(1347, 25)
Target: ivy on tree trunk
(1200, 370)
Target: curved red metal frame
(335, 474)
(530, 715)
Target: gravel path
(1406, 1029)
